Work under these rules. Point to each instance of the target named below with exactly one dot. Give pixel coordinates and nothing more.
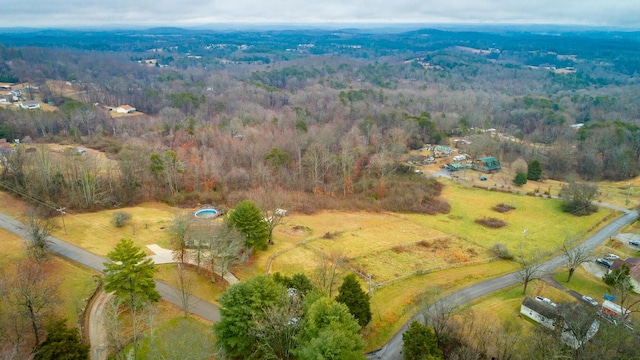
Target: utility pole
(628, 194)
(524, 238)
(61, 210)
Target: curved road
(392, 350)
(197, 306)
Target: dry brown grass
(94, 231)
(13, 248)
(76, 284)
(200, 284)
(395, 304)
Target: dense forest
(227, 114)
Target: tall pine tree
(351, 294)
(130, 275)
(248, 218)
(534, 170)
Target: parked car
(589, 300)
(611, 257)
(545, 300)
(603, 262)
(483, 178)
(634, 242)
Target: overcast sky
(186, 13)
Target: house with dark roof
(548, 316)
(487, 164)
(538, 311)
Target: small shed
(487, 164)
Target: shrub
(500, 250)
(330, 235)
(520, 179)
(492, 223)
(503, 208)
(120, 218)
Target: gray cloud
(69, 13)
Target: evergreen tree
(62, 343)
(247, 218)
(351, 294)
(300, 282)
(329, 332)
(242, 305)
(534, 170)
(130, 275)
(420, 343)
(520, 179)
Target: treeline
(336, 126)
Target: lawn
(396, 303)
(545, 223)
(177, 334)
(75, 286)
(200, 285)
(95, 232)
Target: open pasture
(546, 225)
(95, 232)
(392, 246)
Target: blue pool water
(206, 213)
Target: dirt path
(97, 329)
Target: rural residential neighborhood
(318, 193)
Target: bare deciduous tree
(224, 246)
(31, 294)
(530, 269)
(575, 255)
(39, 229)
(180, 231)
(439, 313)
(185, 284)
(327, 271)
(277, 329)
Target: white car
(589, 300)
(545, 300)
(611, 257)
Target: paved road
(197, 306)
(392, 350)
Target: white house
(539, 312)
(125, 109)
(547, 316)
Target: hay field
(95, 233)
(390, 246)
